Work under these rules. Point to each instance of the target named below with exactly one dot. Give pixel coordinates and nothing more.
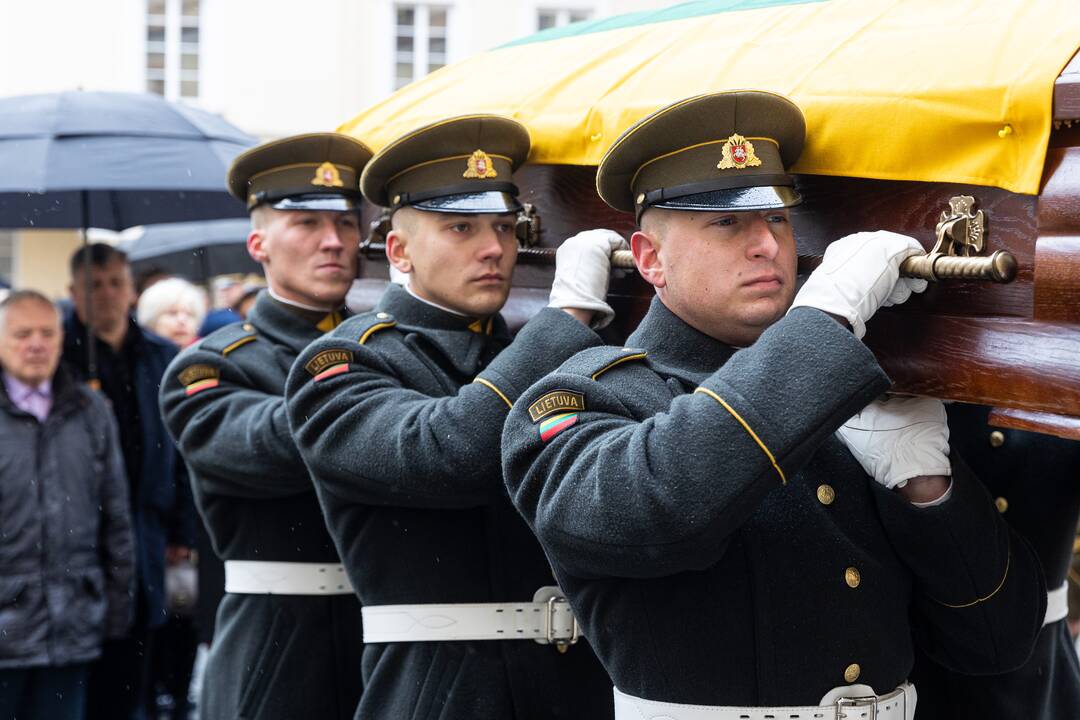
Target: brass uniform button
(381, 316)
(851, 673)
(852, 577)
(248, 327)
(997, 439)
(1001, 504)
(825, 494)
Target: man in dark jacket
(129, 365)
(398, 413)
(727, 554)
(66, 559)
(288, 639)
(1035, 482)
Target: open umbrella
(195, 250)
(112, 160)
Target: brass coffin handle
(999, 267)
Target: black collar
(466, 350)
(284, 324)
(675, 348)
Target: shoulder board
(229, 338)
(362, 327)
(594, 362)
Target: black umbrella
(112, 160)
(195, 250)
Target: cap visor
(337, 203)
(768, 197)
(497, 203)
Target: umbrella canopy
(195, 250)
(892, 89)
(113, 160)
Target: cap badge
(738, 154)
(480, 166)
(327, 175)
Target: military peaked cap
(719, 151)
(316, 171)
(459, 165)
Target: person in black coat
(130, 363)
(288, 638)
(1035, 481)
(398, 413)
(67, 564)
(737, 520)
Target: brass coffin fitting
(961, 235)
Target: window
(549, 17)
(172, 48)
(420, 41)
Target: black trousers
(119, 682)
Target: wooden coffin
(1014, 346)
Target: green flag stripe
(682, 11)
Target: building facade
(271, 67)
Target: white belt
(1057, 604)
(852, 702)
(547, 620)
(252, 577)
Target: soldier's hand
(859, 274)
(582, 273)
(900, 438)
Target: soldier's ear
(255, 245)
(645, 248)
(397, 250)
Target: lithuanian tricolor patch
(556, 424)
(331, 372)
(200, 386)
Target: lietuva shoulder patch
(198, 377)
(366, 325)
(229, 338)
(594, 362)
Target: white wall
(52, 45)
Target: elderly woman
(173, 309)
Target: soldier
(399, 413)
(288, 637)
(726, 555)
(1033, 478)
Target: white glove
(859, 274)
(899, 438)
(582, 273)
(399, 278)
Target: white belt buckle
(553, 597)
(859, 702)
(561, 644)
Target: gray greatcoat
(722, 547)
(404, 448)
(273, 656)
(1035, 480)
(67, 561)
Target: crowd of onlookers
(100, 613)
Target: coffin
(888, 151)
